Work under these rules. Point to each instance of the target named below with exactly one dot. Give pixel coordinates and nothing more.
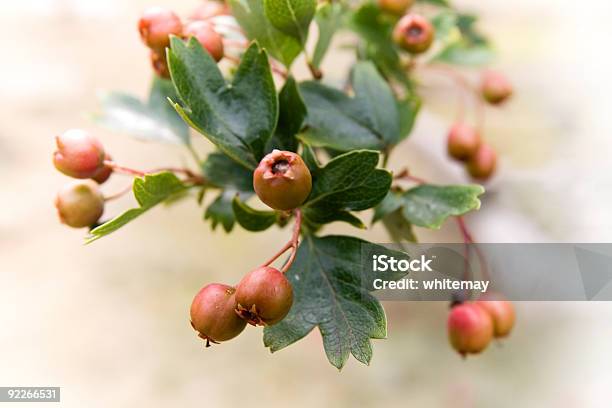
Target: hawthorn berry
(282, 180)
(159, 64)
(105, 172)
(495, 87)
(212, 314)
(397, 7)
(207, 36)
(80, 203)
(210, 9)
(414, 33)
(78, 154)
(463, 141)
(481, 165)
(470, 328)
(264, 296)
(156, 25)
(502, 313)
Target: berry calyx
(482, 164)
(463, 141)
(414, 33)
(78, 154)
(105, 172)
(159, 64)
(209, 10)
(207, 37)
(264, 296)
(397, 7)
(495, 87)
(470, 329)
(156, 25)
(80, 203)
(282, 180)
(212, 314)
(502, 313)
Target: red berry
(264, 296)
(210, 9)
(482, 164)
(78, 154)
(160, 64)
(282, 180)
(104, 173)
(495, 87)
(156, 25)
(213, 316)
(80, 203)
(397, 7)
(414, 33)
(463, 141)
(470, 328)
(502, 313)
(207, 36)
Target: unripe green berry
(105, 172)
(282, 180)
(156, 25)
(78, 154)
(264, 296)
(414, 33)
(495, 87)
(209, 10)
(213, 316)
(482, 164)
(501, 312)
(80, 203)
(470, 329)
(207, 37)
(397, 7)
(463, 141)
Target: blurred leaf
(221, 171)
(239, 117)
(328, 293)
(292, 17)
(149, 191)
(398, 227)
(251, 17)
(329, 19)
(429, 206)
(440, 3)
(408, 109)
(251, 219)
(469, 47)
(155, 120)
(220, 211)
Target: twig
(119, 194)
(292, 244)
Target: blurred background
(109, 322)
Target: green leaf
(291, 17)
(220, 211)
(349, 182)
(469, 47)
(408, 110)
(291, 115)
(251, 17)
(251, 219)
(370, 120)
(429, 206)
(392, 202)
(328, 293)
(329, 19)
(318, 216)
(239, 117)
(221, 171)
(149, 191)
(399, 228)
(440, 3)
(155, 120)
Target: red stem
(292, 244)
(119, 194)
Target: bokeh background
(109, 322)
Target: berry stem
(292, 244)
(121, 169)
(404, 174)
(191, 176)
(119, 194)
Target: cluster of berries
(464, 142)
(81, 156)
(472, 325)
(157, 24)
(264, 296)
